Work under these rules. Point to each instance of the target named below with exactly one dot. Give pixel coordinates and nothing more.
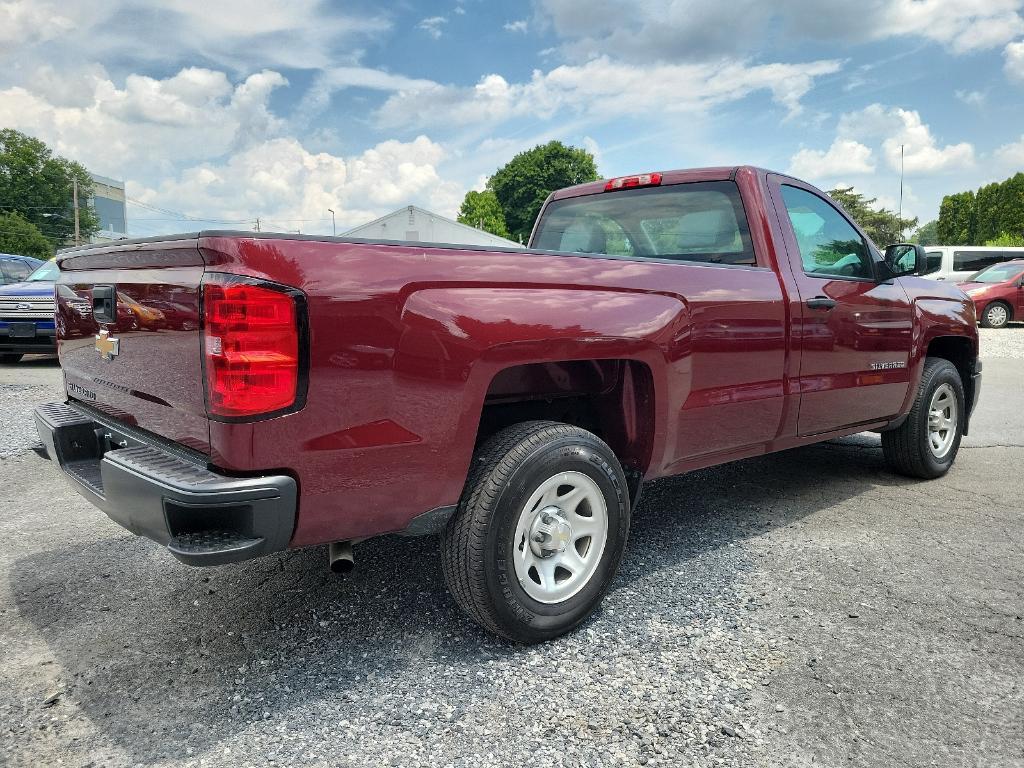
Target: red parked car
(997, 293)
(321, 390)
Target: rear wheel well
(614, 399)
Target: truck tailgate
(129, 338)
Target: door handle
(821, 302)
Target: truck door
(853, 332)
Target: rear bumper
(163, 493)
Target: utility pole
(899, 216)
(74, 192)
(257, 223)
(334, 228)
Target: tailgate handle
(104, 303)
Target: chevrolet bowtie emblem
(106, 346)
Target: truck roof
(677, 176)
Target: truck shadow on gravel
(159, 656)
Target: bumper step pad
(200, 543)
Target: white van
(956, 263)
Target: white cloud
(845, 156)
(149, 124)
(318, 97)
(31, 22)
(290, 188)
(522, 25)
(1010, 157)
(601, 88)
(239, 34)
(1014, 61)
(695, 30)
(433, 26)
(896, 127)
(972, 98)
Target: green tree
(23, 237)
(881, 225)
(986, 218)
(523, 184)
(483, 211)
(1006, 240)
(1009, 207)
(38, 184)
(957, 219)
(927, 234)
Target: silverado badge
(107, 347)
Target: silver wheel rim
(942, 421)
(997, 314)
(560, 537)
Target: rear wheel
(10, 358)
(926, 444)
(996, 315)
(539, 532)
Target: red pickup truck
(309, 390)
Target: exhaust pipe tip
(340, 556)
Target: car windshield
(1000, 273)
(48, 271)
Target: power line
(21, 232)
(37, 207)
(180, 216)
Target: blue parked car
(26, 313)
(16, 269)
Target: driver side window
(829, 245)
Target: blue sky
(235, 110)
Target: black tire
(907, 448)
(479, 540)
(9, 358)
(1003, 319)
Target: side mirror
(906, 259)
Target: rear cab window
(694, 222)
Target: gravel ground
(801, 608)
(1003, 342)
(34, 380)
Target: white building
(417, 225)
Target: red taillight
(251, 347)
(640, 180)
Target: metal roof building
(417, 225)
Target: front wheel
(996, 315)
(926, 444)
(539, 531)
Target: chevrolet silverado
(293, 390)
